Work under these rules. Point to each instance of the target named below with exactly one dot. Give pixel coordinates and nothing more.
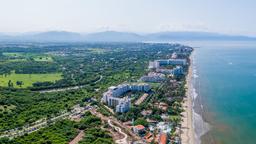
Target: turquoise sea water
(227, 77)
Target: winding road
(120, 141)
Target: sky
(141, 16)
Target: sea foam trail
(200, 126)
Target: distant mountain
(55, 36)
(113, 36)
(4, 36)
(165, 36)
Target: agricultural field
(28, 79)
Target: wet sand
(187, 130)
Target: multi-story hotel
(157, 63)
(153, 64)
(124, 105)
(178, 70)
(113, 96)
(153, 77)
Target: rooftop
(139, 127)
(163, 138)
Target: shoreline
(187, 128)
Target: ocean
(224, 92)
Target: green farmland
(11, 54)
(28, 79)
(43, 59)
(14, 57)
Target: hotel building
(157, 63)
(113, 96)
(153, 77)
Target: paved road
(67, 88)
(36, 126)
(32, 128)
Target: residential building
(124, 105)
(178, 70)
(153, 64)
(139, 129)
(149, 137)
(177, 62)
(165, 71)
(164, 127)
(174, 55)
(153, 77)
(163, 138)
(157, 63)
(113, 96)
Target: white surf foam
(195, 76)
(194, 93)
(200, 127)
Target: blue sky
(224, 16)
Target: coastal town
(151, 108)
(120, 99)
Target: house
(149, 137)
(146, 112)
(139, 129)
(174, 55)
(162, 138)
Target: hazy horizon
(144, 16)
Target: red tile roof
(140, 127)
(163, 138)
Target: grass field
(25, 56)
(11, 54)
(7, 108)
(16, 60)
(154, 85)
(12, 60)
(43, 58)
(28, 79)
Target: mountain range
(114, 36)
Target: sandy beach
(187, 131)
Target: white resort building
(153, 77)
(153, 64)
(113, 96)
(178, 70)
(157, 63)
(174, 55)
